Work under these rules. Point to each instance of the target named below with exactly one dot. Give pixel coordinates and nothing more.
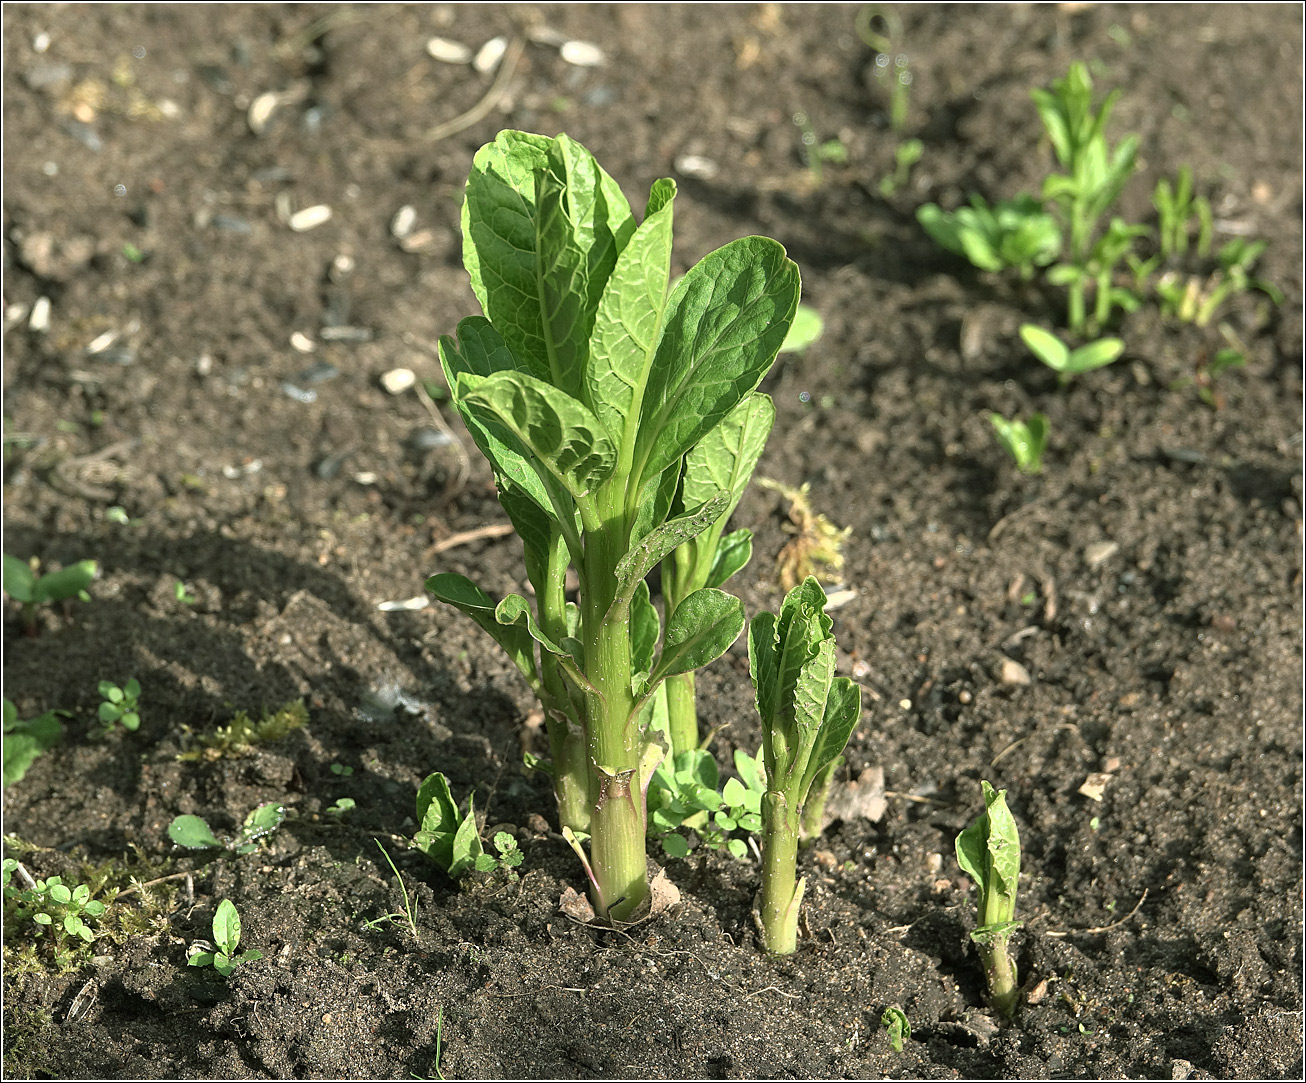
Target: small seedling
(182, 594)
(907, 155)
(1015, 233)
(1097, 272)
(120, 705)
(894, 1021)
(1023, 440)
(446, 835)
(242, 735)
(194, 833)
(342, 805)
(683, 796)
(23, 585)
(25, 740)
(880, 28)
(50, 904)
(341, 770)
(817, 153)
(1064, 361)
(507, 857)
(221, 954)
(807, 716)
(989, 853)
(1176, 207)
(409, 913)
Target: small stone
(401, 225)
(397, 381)
(309, 218)
(1096, 553)
(301, 342)
(1095, 785)
(583, 54)
(695, 165)
(102, 342)
(1013, 673)
(407, 605)
(488, 56)
(40, 318)
(261, 110)
(448, 51)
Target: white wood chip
(449, 51)
(488, 56)
(309, 218)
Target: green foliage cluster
(39, 907)
(686, 796)
(242, 735)
(23, 585)
(120, 705)
(26, 739)
(222, 953)
(194, 833)
(446, 834)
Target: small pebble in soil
(1013, 673)
(401, 225)
(583, 54)
(695, 165)
(317, 373)
(299, 394)
(301, 342)
(397, 381)
(40, 318)
(1098, 552)
(309, 218)
(488, 56)
(261, 110)
(448, 51)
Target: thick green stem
(682, 712)
(1000, 971)
(782, 893)
(814, 807)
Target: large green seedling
(586, 384)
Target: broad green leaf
(645, 554)
(701, 629)
(1045, 346)
(60, 893)
(19, 579)
(979, 250)
(675, 846)
(1094, 355)
(988, 851)
(459, 591)
(542, 227)
(644, 629)
(697, 767)
(629, 316)
(724, 324)
(466, 844)
(24, 741)
(201, 958)
(726, 457)
(226, 927)
(515, 611)
(559, 432)
(437, 813)
(193, 833)
(733, 551)
(263, 820)
(843, 710)
(65, 583)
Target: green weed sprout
(23, 585)
(507, 856)
(194, 833)
(446, 835)
(1064, 361)
(989, 853)
(586, 384)
(880, 28)
(1024, 441)
(894, 1020)
(1015, 233)
(683, 796)
(120, 705)
(1176, 207)
(1098, 272)
(807, 716)
(226, 939)
(818, 154)
(907, 154)
(50, 904)
(24, 740)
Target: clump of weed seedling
(1016, 234)
(907, 154)
(120, 704)
(242, 735)
(62, 911)
(894, 1021)
(23, 585)
(1024, 441)
(446, 835)
(25, 740)
(683, 796)
(506, 858)
(817, 546)
(222, 954)
(194, 833)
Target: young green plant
(1016, 233)
(26, 739)
(586, 384)
(120, 704)
(807, 716)
(1064, 361)
(1024, 441)
(25, 586)
(226, 939)
(445, 834)
(989, 853)
(193, 832)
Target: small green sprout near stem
(817, 153)
(989, 853)
(683, 797)
(226, 939)
(807, 716)
(25, 740)
(880, 28)
(587, 383)
(907, 155)
(507, 858)
(23, 585)
(409, 913)
(1064, 361)
(120, 705)
(1024, 441)
(1176, 206)
(445, 834)
(894, 1020)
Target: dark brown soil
(1163, 923)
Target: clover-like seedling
(807, 716)
(120, 704)
(445, 834)
(989, 853)
(1024, 441)
(226, 939)
(194, 833)
(507, 856)
(51, 904)
(26, 739)
(23, 585)
(1064, 361)
(683, 796)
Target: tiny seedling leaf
(192, 833)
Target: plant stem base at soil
(1000, 972)
(782, 897)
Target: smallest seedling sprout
(894, 1021)
(120, 705)
(1064, 361)
(989, 853)
(1024, 440)
(807, 716)
(226, 939)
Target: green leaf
(701, 629)
(109, 713)
(1045, 346)
(226, 927)
(542, 227)
(629, 316)
(19, 579)
(843, 710)
(201, 958)
(466, 844)
(988, 851)
(642, 557)
(65, 583)
(738, 849)
(24, 741)
(561, 434)
(263, 820)
(460, 592)
(645, 628)
(733, 551)
(675, 846)
(60, 893)
(726, 457)
(515, 611)
(192, 833)
(1094, 355)
(438, 817)
(724, 324)
(941, 227)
